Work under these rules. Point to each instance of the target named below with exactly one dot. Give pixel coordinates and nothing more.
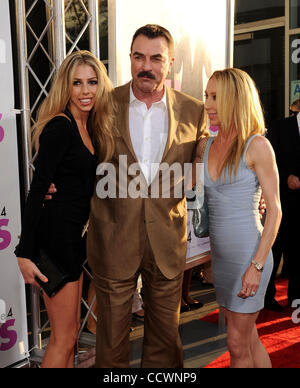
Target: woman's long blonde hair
(102, 115)
(239, 107)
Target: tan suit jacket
(118, 226)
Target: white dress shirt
(149, 132)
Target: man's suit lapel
(123, 126)
(123, 118)
(123, 114)
(173, 116)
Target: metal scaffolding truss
(43, 43)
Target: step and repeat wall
(13, 321)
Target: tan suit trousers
(162, 346)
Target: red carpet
(278, 333)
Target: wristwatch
(257, 265)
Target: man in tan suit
(132, 234)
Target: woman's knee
(238, 346)
(65, 340)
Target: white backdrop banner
(199, 29)
(13, 321)
(202, 32)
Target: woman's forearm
(272, 223)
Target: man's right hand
(293, 182)
(51, 190)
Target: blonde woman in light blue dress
(239, 165)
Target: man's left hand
(262, 207)
(51, 190)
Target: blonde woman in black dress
(73, 121)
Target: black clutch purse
(56, 277)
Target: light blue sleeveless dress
(235, 230)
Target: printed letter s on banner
(4, 234)
(11, 335)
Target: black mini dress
(56, 225)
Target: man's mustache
(146, 74)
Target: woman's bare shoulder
(259, 143)
(260, 149)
